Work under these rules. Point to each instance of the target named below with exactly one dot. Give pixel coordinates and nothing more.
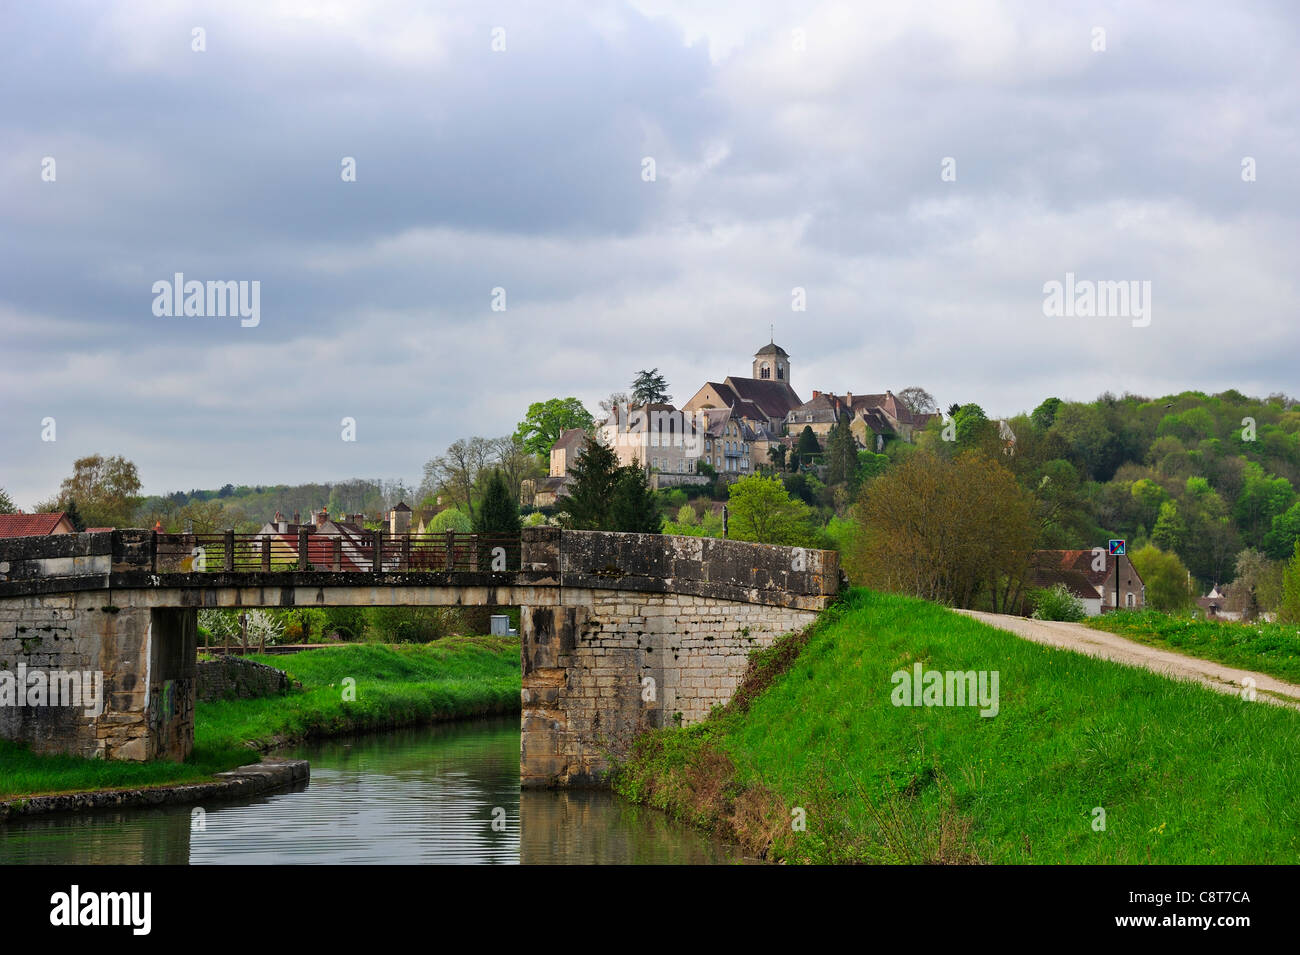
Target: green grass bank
(1183, 774)
(395, 685)
(1272, 648)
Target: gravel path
(1108, 646)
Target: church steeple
(771, 363)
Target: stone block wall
(610, 665)
(234, 678)
(142, 658)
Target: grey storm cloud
(796, 145)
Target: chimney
(817, 394)
(848, 398)
(322, 516)
(297, 517)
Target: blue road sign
(1119, 548)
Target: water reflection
(443, 794)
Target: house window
(1130, 600)
(780, 372)
(765, 371)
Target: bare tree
(458, 471)
(516, 464)
(918, 400)
(616, 399)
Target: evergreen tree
(650, 387)
(841, 453)
(595, 475)
(74, 515)
(498, 514)
(808, 445)
(6, 503)
(633, 507)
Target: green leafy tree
(633, 508)
(1281, 540)
(6, 503)
(1092, 445)
(1170, 530)
(1165, 578)
(1149, 498)
(1263, 497)
(1045, 414)
(776, 455)
(974, 429)
(106, 490)
(1289, 610)
(498, 514)
(870, 465)
(650, 387)
(545, 421)
(452, 519)
(594, 476)
(761, 510)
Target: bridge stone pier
(619, 633)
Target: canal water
(441, 794)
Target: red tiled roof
(29, 525)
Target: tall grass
(1183, 774)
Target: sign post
(1117, 549)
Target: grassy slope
(395, 685)
(1184, 774)
(1271, 648)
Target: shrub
(1057, 603)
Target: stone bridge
(620, 632)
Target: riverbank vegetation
(1085, 761)
(403, 685)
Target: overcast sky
(795, 145)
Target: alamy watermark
(921, 687)
(128, 909)
(194, 299)
(34, 687)
(1084, 298)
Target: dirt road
(1108, 646)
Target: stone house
(665, 441)
(1090, 576)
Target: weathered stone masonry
(620, 632)
(617, 658)
(146, 658)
